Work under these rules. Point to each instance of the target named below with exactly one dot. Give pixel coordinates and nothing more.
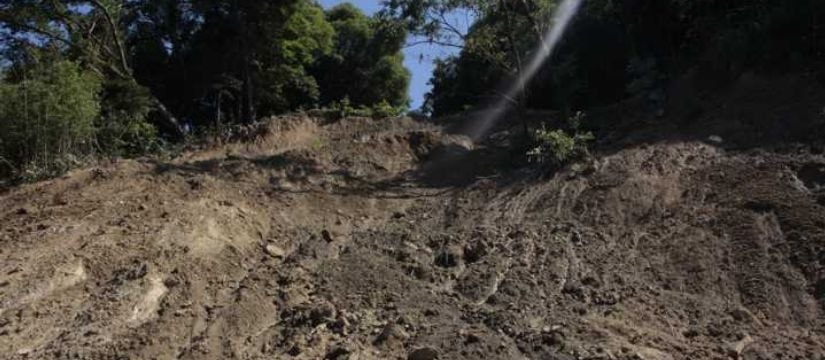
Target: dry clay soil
(338, 241)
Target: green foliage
(385, 110)
(287, 83)
(366, 64)
(558, 147)
(123, 127)
(344, 108)
(47, 118)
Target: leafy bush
(123, 127)
(344, 108)
(384, 110)
(47, 119)
(558, 147)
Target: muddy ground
(388, 239)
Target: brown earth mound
(335, 242)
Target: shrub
(384, 110)
(123, 128)
(344, 108)
(47, 119)
(558, 147)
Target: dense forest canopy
(117, 76)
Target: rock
(328, 236)
(338, 353)
(735, 349)
(323, 313)
(691, 332)
(425, 353)
(743, 315)
(341, 325)
(275, 251)
(171, 282)
(392, 333)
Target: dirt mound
(354, 240)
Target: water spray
(561, 20)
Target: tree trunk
(521, 97)
(167, 116)
(249, 95)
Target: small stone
(327, 236)
(425, 353)
(391, 333)
(546, 329)
(338, 353)
(691, 332)
(472, 338)
(171, 282)
(735, 349)
(274, 251)
(742, 315)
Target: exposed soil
(354, 240)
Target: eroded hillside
(354, 240)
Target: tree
(366, 65)
(88, 31)
(493, 49)
(47, 116)
(228, 60)
(91, 31)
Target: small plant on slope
(558, 147)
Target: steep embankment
(341, 241)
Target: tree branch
(450, 27)
(433, 42)
(36, 30)
(115, 35)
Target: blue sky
(419, 58)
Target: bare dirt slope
(354, 241)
